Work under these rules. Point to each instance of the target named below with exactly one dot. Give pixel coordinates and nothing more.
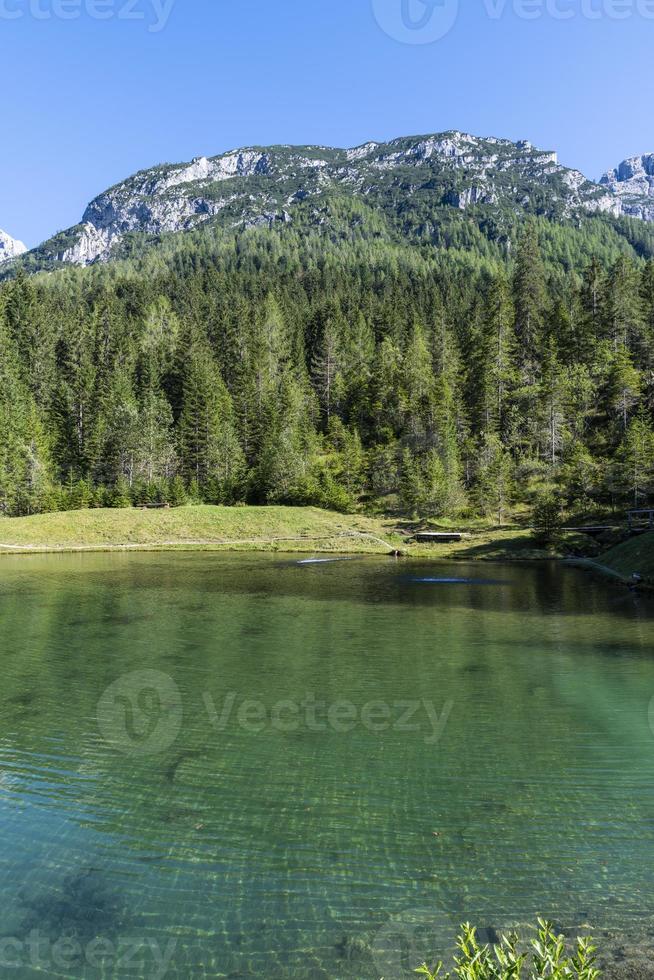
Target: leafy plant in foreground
(546, 959)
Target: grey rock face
(169, 199)
(10, 247)
(256, 187)
(633, 184)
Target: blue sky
(88, 101)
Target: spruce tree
(635, 461)
(529, 297)
(209, 446)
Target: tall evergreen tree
(635, 460)
(209, 447)
(529, 296)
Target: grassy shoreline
(205, 527)
(268, 529)
(306, 530)
(633, 557)
(195, 527)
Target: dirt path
(181, 543)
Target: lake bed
(247, 765)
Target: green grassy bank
(234, 528)
(290, 529)
(632, 557)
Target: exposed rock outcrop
(633, 183)
(10, 247)
(257, 187)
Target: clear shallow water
(320, 831)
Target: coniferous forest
(339, 367)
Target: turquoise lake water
(243, 766)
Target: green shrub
(547, 518)
(546, 959)
(177, 493)
(120, 497)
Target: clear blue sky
(88, 102)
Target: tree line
(341, 370)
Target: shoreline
(282, 545)
(264, 529)
(229, 547)
(276, 529)
(612, 574)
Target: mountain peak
(434, 173)
(633, 182)
(10, 247)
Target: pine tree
(647, 293)
(289, 443)
(209, 445)
(493, 489)
(635, 460)
(327, 371)
(159, 339)
(449, 422)
(412, 489)
(624, 305)
(529, 296)
(593, 301)
(494, 376)
(624, 385)
(25, 464)
(436, 498)
(118, 434)
(155, 451)
(385, 410)
(359, 352)
(418, 387)
(552, 401)
(350, 462)
(76, 399)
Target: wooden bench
(438, 537)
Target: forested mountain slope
(430, 190)
(339, 364)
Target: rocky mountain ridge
(259, 186)
(633, 183)
(10, 248)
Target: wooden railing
(641, 518)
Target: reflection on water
(314, 770)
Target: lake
(242, 765)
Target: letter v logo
(416, 21)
